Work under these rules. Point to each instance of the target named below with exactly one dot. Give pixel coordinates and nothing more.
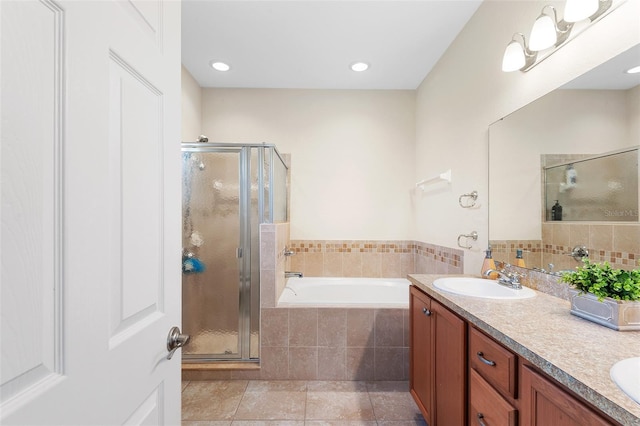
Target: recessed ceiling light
(359, 66)
(633, 70)
(219, 66)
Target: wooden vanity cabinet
(503, 390)
(544, 403)
(437, 361)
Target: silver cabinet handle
(175, 340)
(480, 419)
(426, 312)
(486, 361)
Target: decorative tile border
(445, 255)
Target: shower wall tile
(601, 237)
(297, 263)
(391, 265)
(352, 265)
(313, 264)
(332, 265)
(578, 235)
(371, 265)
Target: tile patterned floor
(298, 403)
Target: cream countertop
(574, 351)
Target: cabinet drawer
(488, 407)
(494, 363)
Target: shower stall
(228, 190)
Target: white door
(90, 214)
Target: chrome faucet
(508, 279)
(290, 274)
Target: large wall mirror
(592, 117)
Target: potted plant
(605, 295)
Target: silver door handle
(175, 340)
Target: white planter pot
(615, 314)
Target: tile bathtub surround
(298, 403)
(335, 344)
(374, 259)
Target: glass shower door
(213, 232)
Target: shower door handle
(175, 340)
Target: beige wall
(351, 154)
(191, 107)
(466, 91)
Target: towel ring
(473, 236)
(473, 196)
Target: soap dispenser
(556, 211)
(487, 264)
(519, 259)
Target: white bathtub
(323, 292)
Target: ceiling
(311, 44)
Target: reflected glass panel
(603, 188)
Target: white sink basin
(478, 287)
(626, 374)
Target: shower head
(201, 165)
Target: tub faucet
(290, 274)
(508, 279)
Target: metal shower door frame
(243, 252)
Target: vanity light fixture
(547, 31)
(219, 66)
(359, 66)
(578, 10)
(517, 56)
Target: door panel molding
(135, 170)
(32, 253)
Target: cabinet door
(421, 358)
(486, 405)
(450, 366)
(546, 404)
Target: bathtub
(324, 292)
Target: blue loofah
(193, 265)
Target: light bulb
(513, 58)
(577, 10)
(543, 33)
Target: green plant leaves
(603, 281)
